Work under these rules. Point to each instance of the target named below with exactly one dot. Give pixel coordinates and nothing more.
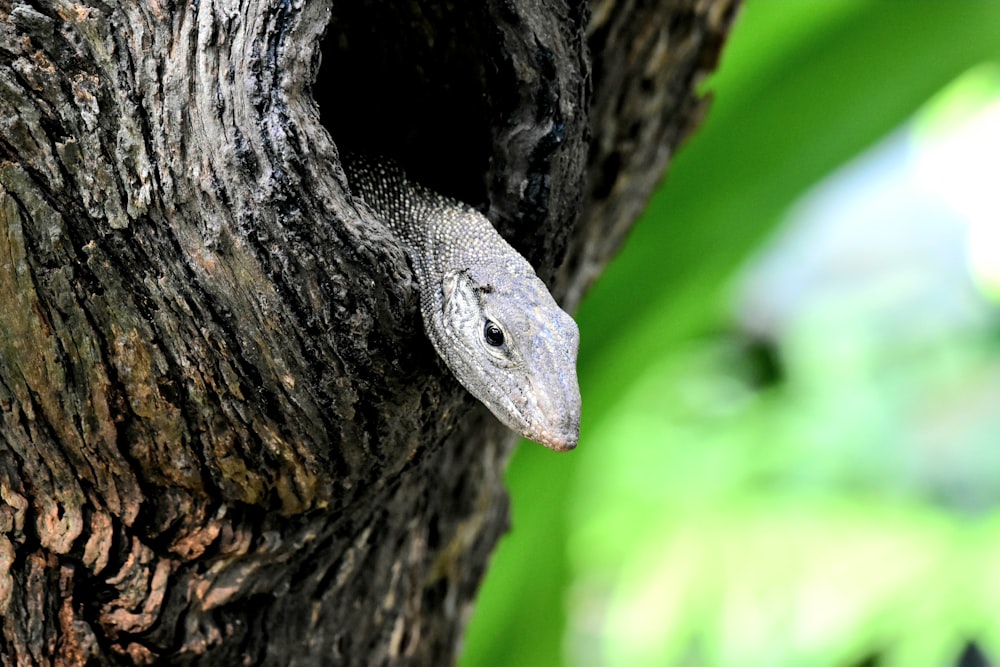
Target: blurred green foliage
(715, 515)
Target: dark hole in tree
(414, 82)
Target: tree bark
(224, 438)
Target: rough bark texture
(224, 438)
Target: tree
(225, 439)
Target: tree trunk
(224, 438)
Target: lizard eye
(493, 334)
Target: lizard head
(513, 348)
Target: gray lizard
(488, 315)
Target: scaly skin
(486, 312)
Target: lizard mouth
(550, 420)
(560, 442)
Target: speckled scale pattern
(459, 233)
(469, 276)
